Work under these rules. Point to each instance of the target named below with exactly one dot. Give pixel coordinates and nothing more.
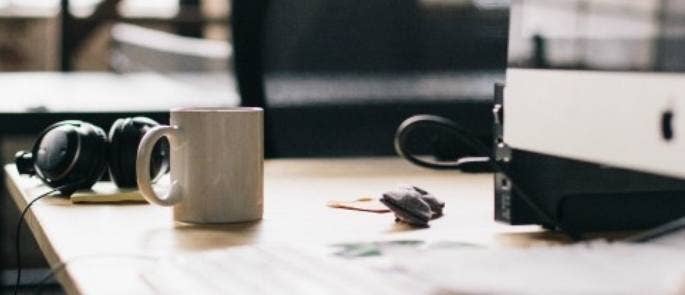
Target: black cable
(657, 232)
(465, 136)
(18, 232)
(418, 121)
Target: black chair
(337, 77)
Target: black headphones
(73, 155)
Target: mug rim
(215, 109)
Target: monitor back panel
(598, 81)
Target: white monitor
(600, 81)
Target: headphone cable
(17, 244)
(465, 136)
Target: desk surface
(296, 192)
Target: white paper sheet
(593, 268)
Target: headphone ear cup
(124, 138)
(92, 163)
(70, 153)
(114, 153)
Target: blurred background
(35, 32)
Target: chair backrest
(337, 77)
(384, 36)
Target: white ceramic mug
(217, 157)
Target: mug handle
(147, 143)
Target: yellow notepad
(107, 192)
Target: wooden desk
(296, 192)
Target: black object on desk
(579, 178)
(581, 196)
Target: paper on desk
(361, 204)
(594, 268)
(107, 192)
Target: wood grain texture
(102, 244)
